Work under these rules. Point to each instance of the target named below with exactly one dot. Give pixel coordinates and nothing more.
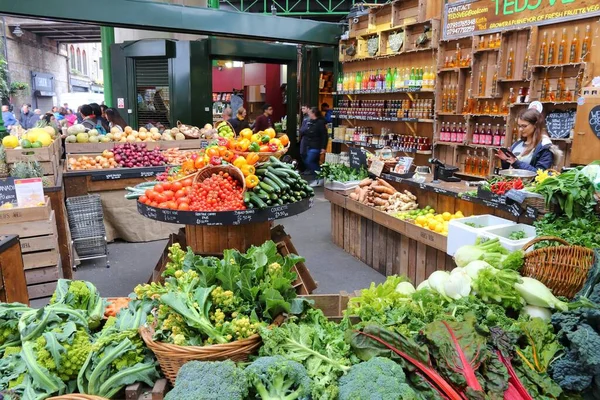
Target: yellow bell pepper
(251, 181)
(275, 141)
(247, 169)
(242, 145)
(240, 162)
(255, 138)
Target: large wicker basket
(171, 357)
(563, 269)
(77, 396)
(232, 170)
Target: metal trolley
(88, 235)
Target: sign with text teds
(479, 17)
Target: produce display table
(13, 287)
(209, 233)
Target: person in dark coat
(28, 118)
(303, 128)
(316, 142)
(535, 149)
(240, 122)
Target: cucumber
(256, 188)
(250, 206)
(285, 197)
(272, 183)
(278, 163)
(264, 196)
(310, 190)
(269, 202)
(246, 197)
(279, 182)
(267, 188)
(303, 194)
(261, 171)
(293, 200)
(281, 172)
(279, 202)
(273, 196)
(254, 199)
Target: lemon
(433, 225)
(439, 229)
(431, 211)
(44, 138)
(421, 220)
(446, 216)
(10, 142)
(439, 218)
(459, 214)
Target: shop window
(72, 56)
(78, 60)
(85, 70)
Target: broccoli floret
(277, 378)
(377, 379)
(209, 380)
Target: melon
(71, 139)
(51, 131)
(105, 139)
(83, 137)
(75, 129)
(93, 132)
(32, 134)
(44, 138)
(153, 130)
(94, 139)
(10, 142)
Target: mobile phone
(507, 152)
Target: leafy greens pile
(205, 300)
(342, 173)
(582, 231)
(58, 349)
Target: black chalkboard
(225, 218)
(125, 173)
(358, 158)
(7, 190)
(516, 195)
(594, 120)
(560, 123)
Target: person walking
(227, 114)
(316, 143)
(303, 128)
(8, 118)
(28, 118)
(101, 122)
(263, 121)
(240, 122)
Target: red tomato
(159, 188)
(168, 194)
(160, 198)
(183, 207)
(183, 200)
(154, 204)
(171, 205)
(149, 193)
(162, 205)
(175, 186)
(143, 199)
(187, 182)
(180, 193)
(166, 185)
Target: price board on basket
(358, 158)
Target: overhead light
(238, 64)
(18, 32)
(228, 64)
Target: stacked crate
(36, 227)
(47, 157)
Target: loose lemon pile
(428, 219)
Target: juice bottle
(512, 98)
(468, 161)
(476, 134)
(552, 50)
(495, 81)
(510, 65)
(496, 138)
(562, 48)
(457, 55)
(543, 49)
(365, 80)
(475, 167)
(398, 79)
(481, 82)
(545, 87)
(586, 45)
(486, 108)
(485, 165)
(574, 49)
(453, 133)
(388, 79)
(340, 83)
(561, 87)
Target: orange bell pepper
(228, 156)
(284, 139)
(199, 163)
(222, 150)
(251, 181)
(252, 158)
(242, 145)
(248, 169)
(275, 141)
(188, 167)
(240, 162)
(212, 152)
(264, 149)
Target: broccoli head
(377, 379)
(277, 378)
(208, 380)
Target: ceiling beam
(182, 19)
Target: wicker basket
(77, 396)
(264, 156)
(172, 357)
(232, 170)
(563, 269)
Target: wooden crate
(49, 168)
(87, 148)
(13, 287)
(332, 305)
(25, 214)
(50, 153)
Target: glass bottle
(467, 104)
(482, 42)
(432, 78)
(551, 94)
(494, 108)
(543, 49)
(510, 64)
(504, 108)
(503, 136)
(545, 87)
(573, 51)
(457, 55)
(444, 101)
(491, 42)
(586, 44)
(468, 161)
(388, 79)
(560, 87)
(496, 138)
(562, 48)
(475, 165)
(340, 83)
(358, 81)
(372, 80)
(552, 50)
(578, 84)
(447, 63)
(512, 97)
(486, 108)
(453, 133)
(407, 78)
(489, 136)
(476, 135)
(485, 165)
(365, 80)
(498, 41)
(481, 88)
(495, 81)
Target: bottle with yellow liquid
(562, 48)
(561, 87)
(498, 41)
(574, 49)
(468, 162)
(543, 49)
(586, 45)
(552, 50)
(510, 65)
(545, 87)
(495, 81)
(481, 87)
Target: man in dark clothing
(240, 122)
(28, 118)
(303, 128)
(89, 117)
(264, 121)
(327, 112)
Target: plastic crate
(460, 234)
(502, 233)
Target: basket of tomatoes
(263, 144)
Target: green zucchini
(254, 199)
(279, 182)
(273, 196)
(267, 188)
(264, 196)
(272, 183)
(246, 197)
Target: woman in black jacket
(316, 142)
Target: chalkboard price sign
(594, 120)
(7, 191)
(358, 158)
(560, 123)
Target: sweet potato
(365, 182)
(384, 189)
(385, 183)
(363, 195)
(354, 196)
(380, 202)
(384, 196)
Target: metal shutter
(152, 90)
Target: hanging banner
(479, 17)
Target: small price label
(376, 167)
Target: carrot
(115, 305)
(384, 189)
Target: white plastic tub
(504, 232)
(460, 234)
(341, 186)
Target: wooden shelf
(471, 176)
(487, 97)
(400, 53)
(574, 65)
(453, 69)
(379, 92)
(488, 115)
(566, 140)
(486, 50)
(518, 105)
(326, 93)
(379, 146)
(558, 103)
(449, 114)
(512, 80)
(387, 119)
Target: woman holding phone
(534, 150)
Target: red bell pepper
(214, 160)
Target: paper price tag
(376, 167)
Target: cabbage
(535, 293)
(437, 281)
(405, 288)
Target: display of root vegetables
(383, 196)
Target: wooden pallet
(36, 227)
(304, 284)
(47, 157)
